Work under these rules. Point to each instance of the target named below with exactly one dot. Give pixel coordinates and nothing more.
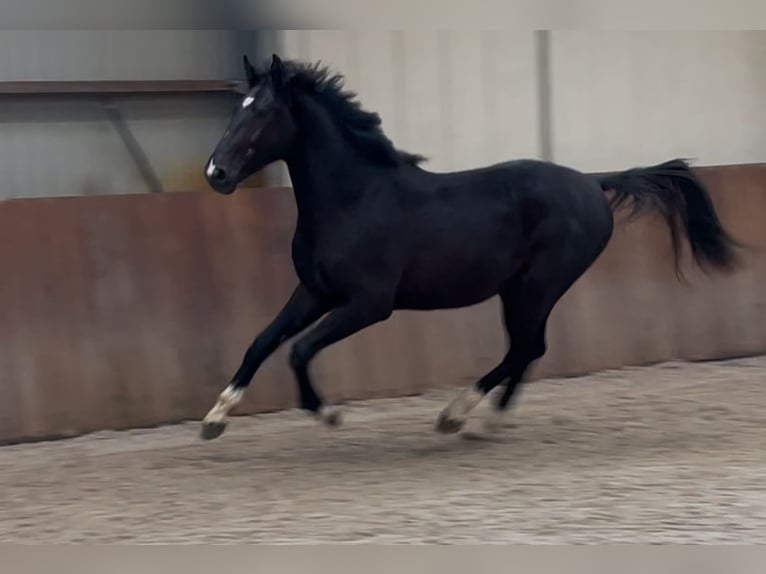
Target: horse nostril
(218, 174)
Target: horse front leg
(300, 311)
(341, 323)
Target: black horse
(376, 232)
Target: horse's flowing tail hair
(672, 190)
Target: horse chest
(313, 261)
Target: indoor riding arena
(595, 450)
(131, 291)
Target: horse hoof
(211, 430)
(447, 424)
(331, 416)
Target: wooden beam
(123, 88)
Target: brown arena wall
(131, 311)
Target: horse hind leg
(497, 419)
(526, 313)
(527, 304)
(453, 417)
(524, 350)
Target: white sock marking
(329, 415)
(227, 400)
(463, 403)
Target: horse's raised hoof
(331, 416)
(212, 429)
(447, 424)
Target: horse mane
(363, 128)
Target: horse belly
(449, 285)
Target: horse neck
(328, 173)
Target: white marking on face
(210, 168)
(247, 102)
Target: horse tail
(672, 190)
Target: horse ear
(252, 77)
(277, 71)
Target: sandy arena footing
(671, 453)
